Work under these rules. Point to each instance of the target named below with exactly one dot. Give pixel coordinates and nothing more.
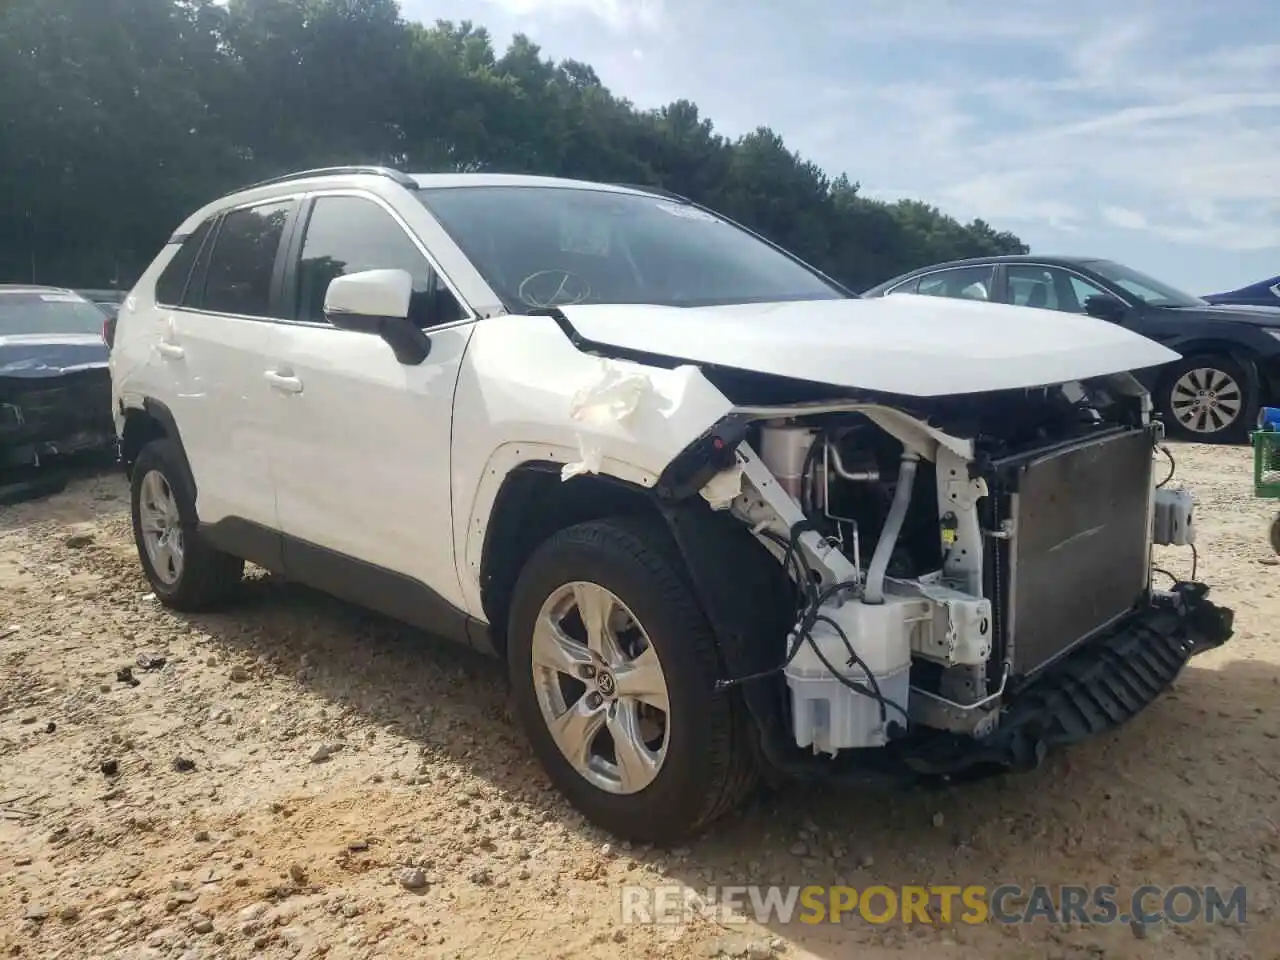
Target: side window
(238, 279)
(908, 287)
(1082, 290)
(351, 234)
(1049, 288)
(962, 283)
(171, 285)
(1032, 286)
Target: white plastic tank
(828, 716)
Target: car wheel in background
(1208, 399)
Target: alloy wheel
(600, 688)
(161, 527)
(1206, 400)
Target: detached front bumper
(1099, 687)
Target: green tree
(119, 117)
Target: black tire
(709, 766)
(208, 576)
(1274, 533)
(1233, 431)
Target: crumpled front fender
(526, 394)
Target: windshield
(36, 311)
(541, 247)
(1149, 291)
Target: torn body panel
(526, 394)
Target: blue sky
(1148, 132)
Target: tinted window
(964, 283)
(1082, 290)
(1051, 288)
(47, 311)
(1147, 289)
(172, 284)
(1032, 286)
(243, 258)
(539, 247)
(350, 234)
(907, 287)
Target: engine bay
(902, 527)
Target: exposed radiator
(1078, 558)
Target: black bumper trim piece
(1098, 688)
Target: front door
(362, 451)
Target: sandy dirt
(300, 779)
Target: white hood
(903, 344)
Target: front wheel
(1208, 399)
(612, 667)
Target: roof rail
(656, 191)
(399, 177)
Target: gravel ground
(295, 778)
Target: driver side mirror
(1104, 307)
(377, 302)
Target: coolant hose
(874, 592)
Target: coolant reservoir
(784, 448)
(828, 716)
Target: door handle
(170, 350)
(283, 383)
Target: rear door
(212, 343)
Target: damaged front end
(969, 579)
(55, 415)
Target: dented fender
(526, 394)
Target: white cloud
(1131, 120)
(1124, 217)
(1011, 196)
(619, 15)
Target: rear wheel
(185, 572)
(1208, 399)
(612, 665)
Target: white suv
(720, 516)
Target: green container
(1266, 463)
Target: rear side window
(171, 287)
(242, 262)
(961, 283)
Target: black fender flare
(159, 412)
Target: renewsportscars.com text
(974, 904)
